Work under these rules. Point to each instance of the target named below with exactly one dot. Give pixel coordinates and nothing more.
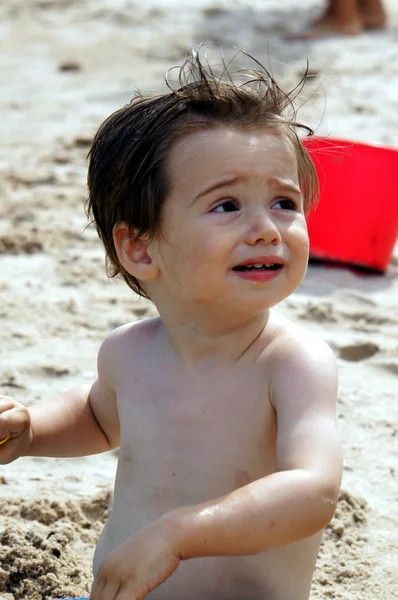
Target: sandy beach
(64, 66)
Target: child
(224, 411)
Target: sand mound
(340, 571)
(22, 243)
(46, 546)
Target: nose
(262, 229)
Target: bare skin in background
(347, 17)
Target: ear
(134, 253)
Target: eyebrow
(217, 185)
(273, 181)
(285, 184)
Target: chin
(282, 295)
(255, 307)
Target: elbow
(327, 498)
(318, 505)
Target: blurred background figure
(348, 17)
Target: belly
(277, 574)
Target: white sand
(57, 304)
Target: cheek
(299, 240)
(303, 255)
(184, 259)
(305, 246)
(203, 248)
(299, 248)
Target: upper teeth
(258, 266)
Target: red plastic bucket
(356, 221)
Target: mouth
(259, 267)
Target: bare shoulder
(131, 333)
(301, 359)
(118, 354)
(295, 343)
(303, 392)
(123, 343)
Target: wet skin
(201, 394)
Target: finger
(14, 421)
(4, 440)
(11, 450)
(97, 587)
(103, 589)
(126, 592)
(6, 403)
(109, 591)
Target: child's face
(234, 202)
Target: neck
(201, 341)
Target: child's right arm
(79, 422)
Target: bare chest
(196, 438)
(185, 441)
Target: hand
(15, 423)
(136, 567)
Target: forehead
(246, 153)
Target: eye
(286, 204)
(226, 206)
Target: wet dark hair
(127, 177)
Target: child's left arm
(298, 499)
(293, 503)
